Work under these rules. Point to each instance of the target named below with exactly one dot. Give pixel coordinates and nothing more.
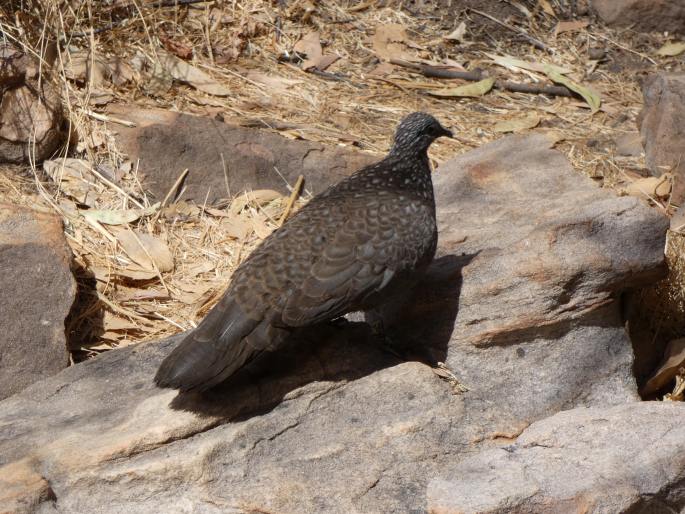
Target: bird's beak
(447, 133)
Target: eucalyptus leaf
(467, 90)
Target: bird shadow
(418, 325)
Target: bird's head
(416, 132)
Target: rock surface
(36, 293)
(627, 458)
(644, 15)
(30, 109)
(522, 303)
(662, 127)
(167, 143)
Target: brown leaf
(144, 249)
(181, 50)
(185, 72)
(570, 26)
(310, 46)
(275, 83)
(457, 34)
(674, 359)
(122, 72)
(73, 177)
(325, 61)
(134, 272)
(389, 42)
(651, 187)
(382, 70)
(518, 124)
(158, 81)
(257, 197)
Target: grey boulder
(522, 304)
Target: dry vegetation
(244, 60)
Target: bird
(340, 253)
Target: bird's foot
(448, 376)
(383, 341)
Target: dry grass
(242, 45)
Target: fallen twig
(475, 76)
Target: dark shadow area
(418, 325)
(86, 317)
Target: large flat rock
(627, 458)
(224, 159)
(522, 304)
(37, 290)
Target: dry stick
(474, 76)
(293, 196)
(168, 195)
(112, 119)
(115, 187)
(536, 42)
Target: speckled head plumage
(416, 132)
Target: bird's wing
(378, 241)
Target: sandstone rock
(627, 458)
(644, 15)
(166, 143)
(521, 303)
(30, 109)
(662, 127)
(36, 293)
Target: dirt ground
(257, 56)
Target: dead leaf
(467, 90)
(382, 70)
(671, 49)
(457, 34)
(261, 228)
(570, 26)
(651, 187)
(73, 177)
(113, 322)
(326, 60)
(512, 63)
(144, 249)
(275, 83)
(198, 269)
(135, 273)
(237, 228)
(388, 41)
(189, 74)
(590, 96)
(310, 46)
(159, 80)
(257, 197)
(122, 72)
(119, 217)
(547, 7)
(525, 122)
(125, 294)
(674, 359)
(181, 50)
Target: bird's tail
(210, 353)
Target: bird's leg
(382, 338)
